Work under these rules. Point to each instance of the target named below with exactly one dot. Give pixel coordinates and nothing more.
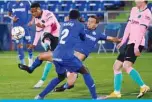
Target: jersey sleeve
(146, 19)
(9, 6)
(103, 36)
(49, 19)
(82, 33)
(28, 5)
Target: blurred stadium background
(113, 15)
(15, 84)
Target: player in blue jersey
(83, 49)
(18, 12)
(63, 56)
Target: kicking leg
(46, 56)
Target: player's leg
(89, 81)
(20, 50)
(45, 56)
(54, 82)
(28, 41)
(75, 65)
(117, 77)
(48, 44)
(71, 77)
(128, 67)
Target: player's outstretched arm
(113, 39)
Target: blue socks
(30, 53)
(90, 84)
(50, 87)
(136, 77)
(21, 55)
(47, 68)
(117, 82)
(35, 64)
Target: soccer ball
(18, 32)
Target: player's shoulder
(134, 9)
(148, 11)
(48, 13)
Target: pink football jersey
(51, 25)
(134, 30)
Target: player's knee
(117, 68)
(83, 70)
(127, 67)
(61, 77)
(20, 45)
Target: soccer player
(135, 31)
(63, 56)
(84, 48)
(47, 26)
(18, 12)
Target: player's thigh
(73, 65)
(117, 65)
(130, 55)
(79, 55)
(60, 70)
(46, 56)
(54, 43)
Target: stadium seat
(115, 29)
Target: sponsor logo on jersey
(91, 37)
(18, 9)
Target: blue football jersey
(92, 37)
(20, 10)
(71, 33)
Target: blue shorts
(26, 39)
(71, 65)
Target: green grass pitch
(17, 84)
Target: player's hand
(117, 40)
(15, 19)
(137, 52)
(119, 45)
(31, 47)
(40, 25)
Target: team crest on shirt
(94, 33)
(139, 16)
(21, 4)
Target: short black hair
(35, 5)
(95, 17)
(146, 1)
(74, 14)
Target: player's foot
(61, 88)
(114, 95)
(30, 61)
(38, 97)
(39, 84)
(143, 91)
(24, 67)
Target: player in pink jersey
(47, 28)
(135, 31)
